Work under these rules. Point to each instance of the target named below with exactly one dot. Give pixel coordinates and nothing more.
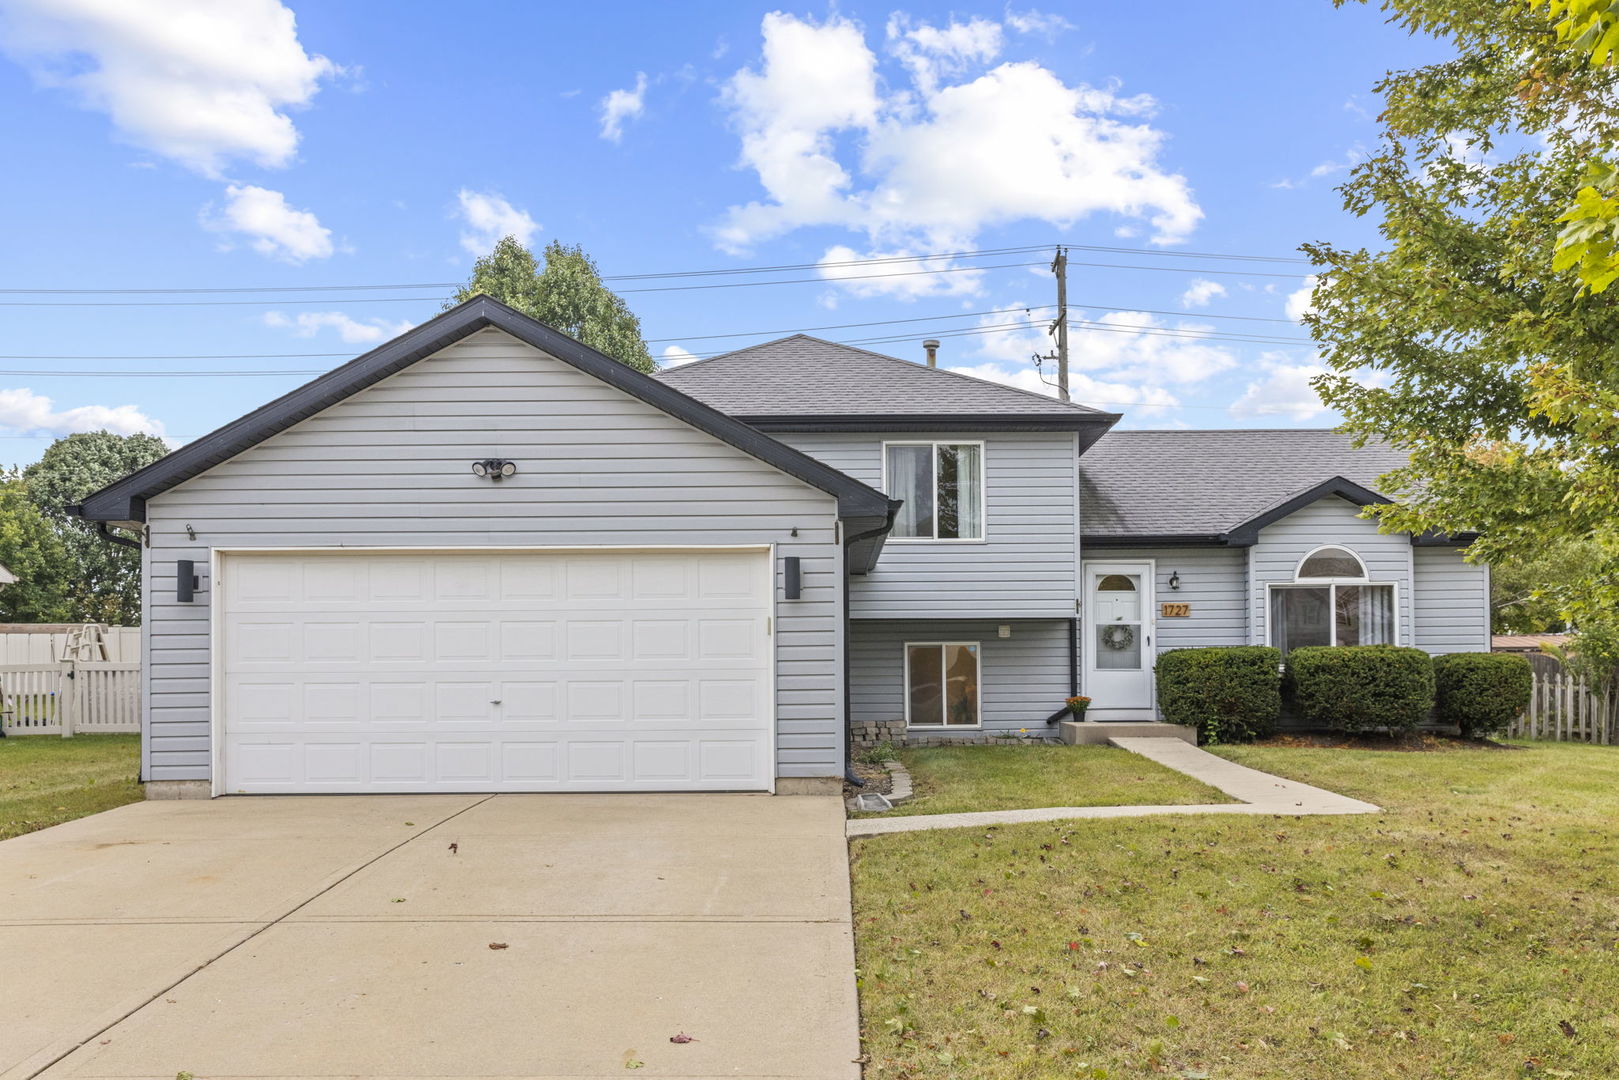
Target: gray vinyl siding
(1451, 600)
(1025, 568)
(1024, 678)
(1275, 558)
(390, 467)
(1213, 580)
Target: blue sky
(166, 144)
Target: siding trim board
(124, 500)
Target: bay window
(942, 485)
(1331, 602)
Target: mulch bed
(1420, 742)
(876, 778)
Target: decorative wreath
(1118, 637)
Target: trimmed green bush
(1228, 694)
(1482, 693)
(1361, 687)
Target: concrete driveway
(342, 936)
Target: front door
(1118, 640)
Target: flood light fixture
(494, 468)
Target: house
(483, 557)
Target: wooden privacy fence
(70, 698)
(1563, 706)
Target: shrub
(1227, 694)
(1361, 687)
(1482, 693)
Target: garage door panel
(506, 671)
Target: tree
(1589, 241)
(1458, 341)
(105, 578)
(1523, 595)
(568, 295)
(31, 549)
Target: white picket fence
(1563, 707)
(72, 698)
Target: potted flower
(1078, 705)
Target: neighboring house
(1536, 644)
(483, 557)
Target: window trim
(1332, 585)
(983, 490)
(978, 702)
(1365, 577)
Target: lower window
(941, 684)
(1302, 615)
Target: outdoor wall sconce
(186, 581)
(1175, 579)
(494, 468)
(792, 577)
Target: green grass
(1453, 935)
(951, 779)
(46, 780)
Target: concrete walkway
(343, 937)
(1258, 792)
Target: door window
(1117, 622)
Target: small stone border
(899, 780)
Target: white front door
(1118, 640)
(494, 671)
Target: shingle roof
(1208, 483)
(802, 376)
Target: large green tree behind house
(1457, 340)
(106, 578)
(33, 551)
(567, 295)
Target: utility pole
(1059, 266)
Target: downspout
(1073, 668)
(848, 697)
(77, 510)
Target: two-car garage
(493, 670)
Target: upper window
(1331, 562)
(1338, 611)
(942, 484)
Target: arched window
(1116, 583)
(1331, 601)
(1330, 562)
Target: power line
(712, 272)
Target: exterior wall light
(1174, 579)
(494, 468)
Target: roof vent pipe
(932, 346)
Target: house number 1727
(1174, 611)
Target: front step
(1091, 733)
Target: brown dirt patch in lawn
(876, 778)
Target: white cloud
(900, 280)
(1037, 22)
(1283, 389)
(1145, 400)
(489, 218)
(350, 330)
(1200, 292)
(622, 105)
(1298, 301)
(674, 356)
(24, 411)
(930, 52)
(197, 81)
(950, 156)
(1120, 346)
(273, 227)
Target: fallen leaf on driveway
(681, 1038)
(499, 945)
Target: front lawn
(1471, 930)
(950, 779)
(46, 780)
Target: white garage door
(601, 671)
